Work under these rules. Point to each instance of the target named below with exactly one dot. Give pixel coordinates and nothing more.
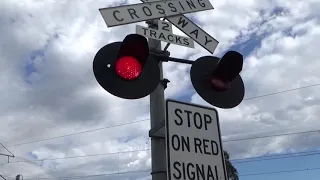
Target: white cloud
(61, 95)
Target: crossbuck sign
(173, 11)
(194, 146)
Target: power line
(11, 155)
(108, 127)
(275, 135)
(286, 134)
(279, 172)
(88, 176)
(277, 156)
(280, 92)
(84, 156)
(148, 170)
(253, 174)
(82, 132)
(118, 173)
(231, 140)
(237, 161)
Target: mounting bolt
(152, 23)
(167, 53)
(164, 83)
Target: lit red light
(128, 68)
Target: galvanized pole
(157, 116)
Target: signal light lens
(220, 85)
(128, 68)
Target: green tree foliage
(231, 170)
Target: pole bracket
(165, 82)
(153, 23)
(160, 55)
(158, 172)
(158, 131)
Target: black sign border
(167, 135)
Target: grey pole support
(157, 116)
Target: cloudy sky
(48, 90)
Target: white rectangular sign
(164, 36)
(193, 140)
(120, 15)
(192, 30)
(165, 26)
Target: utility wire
(84, 156)
(242, 160)
(277, 156)
(231, 140)
(148, 170)
(279, 172)
(283, 154)
(88, 176)
(82, 132)
(110, 174)
(275, 135)
(108, 127)
(7, 151)
(280, 92)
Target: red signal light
(220, 85)
(128, 67)
(218, 80)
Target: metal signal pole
(157, 117)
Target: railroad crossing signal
(128, 70)
(218, 81)
(125, 68)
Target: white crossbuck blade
(126, 14)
